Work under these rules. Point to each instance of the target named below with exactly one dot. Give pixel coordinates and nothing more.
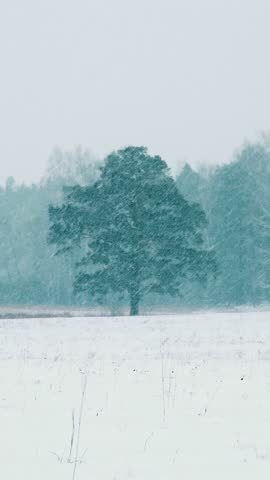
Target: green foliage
(138, 234)
(239, 227)
(236, 198)
(29, 272)
(125, 230)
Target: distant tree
(10, 184)
(239, 227)
(197, 186)
(71, 167)
(192, 184)
(138, 232)
(29, 274)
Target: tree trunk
(134, 303)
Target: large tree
(137, 232)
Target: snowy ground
(170, 397)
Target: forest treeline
(235, 199)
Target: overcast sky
(190, 79)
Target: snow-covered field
(163, 398)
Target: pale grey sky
(190, 79)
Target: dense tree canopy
(160, 228)
(138, 233)
(236, 198)
(239, 226)
(29, 271)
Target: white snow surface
(167, 397)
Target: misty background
(189, 79)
